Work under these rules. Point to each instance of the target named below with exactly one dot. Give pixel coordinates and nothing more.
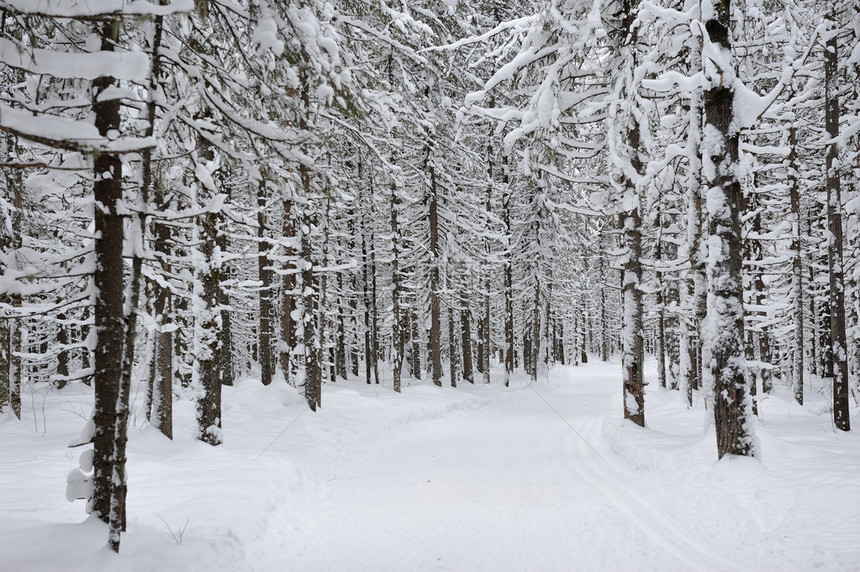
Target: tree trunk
(288, 303)
(435, 310)
(313, 350)
(466, 336)
(397, 328)
(835, 237)
(265, 331)
(797, 268)
(453, 357)
(207, 343)
(63, 352)
(535, 334)
(11, 370)
(509, 276)
(725, 354)
(632, 352)
(108, 281)
(340, 352)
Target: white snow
(121, 65)
(78, 8)
(535, 477)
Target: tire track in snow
(652, 519)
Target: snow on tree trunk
(288, 285)
(625, 160)
(435, 283)
(108, 280)
(266, 277)
(797, 373)
(205, 296)
(466, 336)
(835, 235)
(724, 362)
(508, 275)
(398, 328)
(453, 356)
(310, 337)
(10, 325)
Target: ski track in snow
(537, 477)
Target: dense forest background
(312, 191)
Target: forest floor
(535, 477)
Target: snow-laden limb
(94, 8)
(516, 25)
(64, 65)
(65, 133)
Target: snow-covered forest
(215, 215)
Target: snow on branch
(121, 65)
(93, 9)
(67, 134)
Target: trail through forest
(533, 477)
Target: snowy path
(489, 489)
(482, 478)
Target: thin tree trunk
(466, 336)
(340, 352)
(288, 303)
(11, 370)
(265, 331)
(415, 332)
(509, 276)
(536, 322)
(435, 310)
(453, 358)
(797, 268)
(313, 350)
(207, 333)
(397, 330)
(369, 351)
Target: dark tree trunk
(466, 336)
(367, 270)
(479, 346)
(313, 349)
(435, 310)
(265, 331)
(63, 353)
(509, 283)
(416, 344)
(797, 269)
(453, 357)
(340, 352)
(208, 343)
(109, 458)
(839, 347)
(11, 370)
(288, 302)
(397, 312)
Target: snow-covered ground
(532, 477)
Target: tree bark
(288, 304)
(797, 373)
(108, 280)
(397, 329)
(313, 350)
(724, 362)
(835, 239)
(265, 331)
(435, 310)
